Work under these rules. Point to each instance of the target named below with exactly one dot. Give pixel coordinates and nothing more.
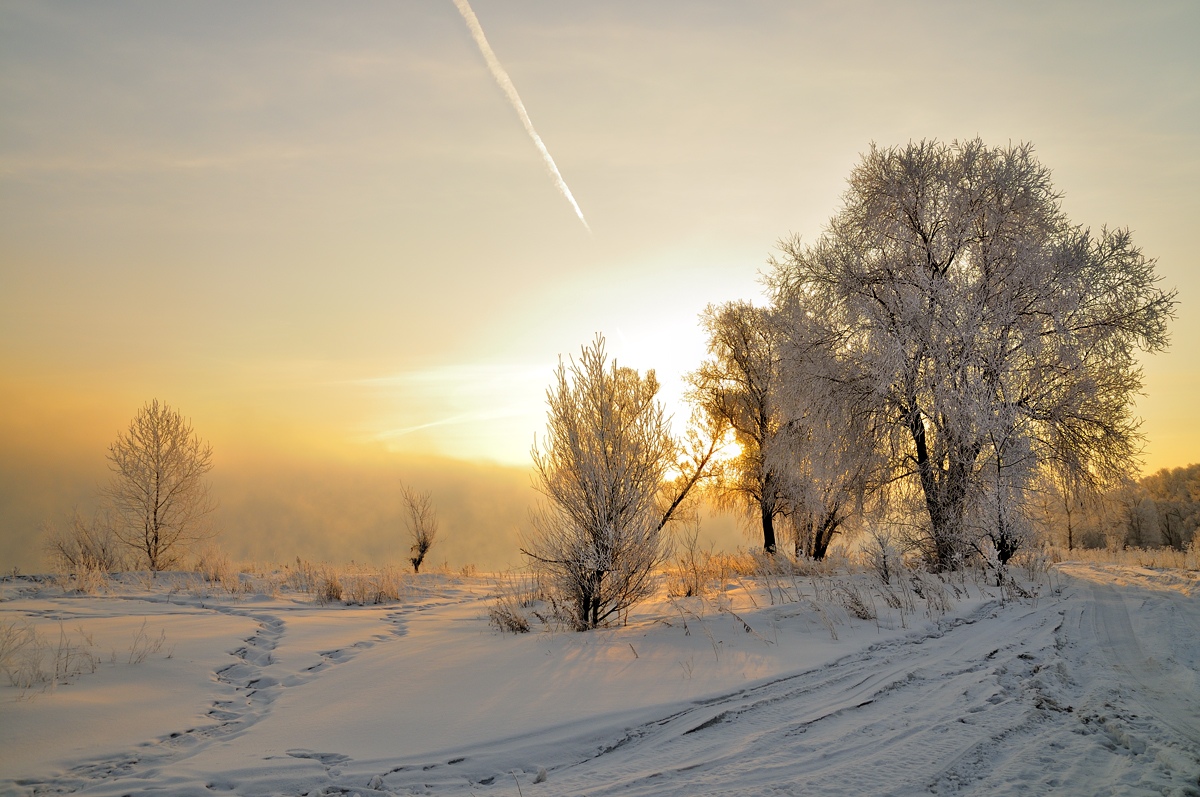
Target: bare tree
(158, 493)
(736, 387)
(422, 523)
(975, 315)
(598, 536)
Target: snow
(1086, 685)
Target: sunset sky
(322, 232)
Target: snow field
(1089, 686)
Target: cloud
(470, 410)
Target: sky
(323, 232)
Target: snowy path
(994, 704)
(1093, 691)
(1163, 685)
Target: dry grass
(694, 571)
(372, 586)
(1157, 558)
(90, 581)
(215, 567)
(30, 661)
(328, 588)
(354, 585)
(514, 598)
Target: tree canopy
(989, 335)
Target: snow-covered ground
(1087, 685)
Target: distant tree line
(1159, 510)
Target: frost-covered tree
(826, 450)
(1065, 504)
(1176, 494)
(736, 387)
(422, 523)
(974, 315)
(158, 492)
(598, 535)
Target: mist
(274, 507)
(343, 511)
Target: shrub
(329, 588)
(883, 556)
(85, 546)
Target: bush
(85, 546)
(515, 602)
(374, 588)
(329, 588)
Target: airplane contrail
(510, 91)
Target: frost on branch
(989, 337)
(598, 534)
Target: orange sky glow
(322, 232)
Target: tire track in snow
(762, 735)
(1178, 709)
(1000, 702)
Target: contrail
(514, 99)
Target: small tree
(736, 387)
(598, 536)
(158, 493)
(422, 523)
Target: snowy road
(1092, 690)
(1054, 699)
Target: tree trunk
(823, 535)
(945, 493)
(768, 526)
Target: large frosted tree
(989, 333)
